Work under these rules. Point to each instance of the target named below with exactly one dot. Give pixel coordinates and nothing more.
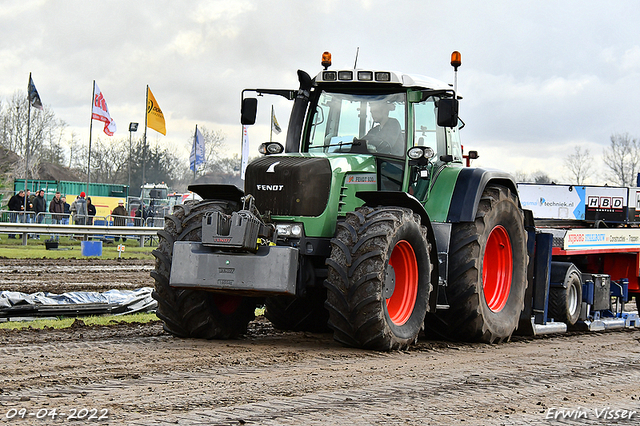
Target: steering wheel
(383, 147)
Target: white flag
(274, 123)
(245, 151)
(100, 112)
(197, 151)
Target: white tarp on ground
(119, 301)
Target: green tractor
(366, 222)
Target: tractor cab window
(366, 124)
(426, 131)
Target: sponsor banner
(553, 201)
(598, 239)
(634, 204)
(590, 203)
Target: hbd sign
(599, 202)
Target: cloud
(534, 74)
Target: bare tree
(74, 147)
(579, 165)
(541, 177)
(213, 141)
(45, 132)
(521, 176)
(109, 160)
(535, 177)
(623, 158)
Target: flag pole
(144, 141)
(195, 154)
(93, 95)
(271, 127)
(26, 157)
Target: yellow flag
(155, 118)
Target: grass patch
(60, 323)
(71, 249)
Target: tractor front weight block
(270, 271)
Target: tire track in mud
(62, 275)
(431, 400)
(298, 378)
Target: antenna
(356, 61)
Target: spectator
(57, 206)
(16, 205)
(29, 204)
(141, 215)
(119, 215)
(67, 211)
(39, 206)
(79, 209)
(91, 211)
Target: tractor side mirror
(248, 111)
(448, 112)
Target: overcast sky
(537, 77)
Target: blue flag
(197, 151)
(34, 97)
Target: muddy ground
(139, 375)
(62, 275)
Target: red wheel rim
(497, 269)
(401, 303)
(227, 304)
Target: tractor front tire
(379, 278)
(487, 272)
(195, 313)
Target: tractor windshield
(359, 123)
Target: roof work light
(326, 60)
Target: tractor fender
(212, 191)
(402, 199)
(469, 187)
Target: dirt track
(143, 376)
(62, 275)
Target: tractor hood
(303, 186)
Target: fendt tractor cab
(365, 222)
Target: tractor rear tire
(195, 313)
(487, 272)
(379, 278)
(299, 313)
(565, 303)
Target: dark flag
(34, 98)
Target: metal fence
(24, 224)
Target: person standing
(67, 211)
(29, 216)
(39, 206)
(16, 205)
(56, 206)
(119, 215)
(79, 209)
(91, 211)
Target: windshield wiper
(355, 142)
